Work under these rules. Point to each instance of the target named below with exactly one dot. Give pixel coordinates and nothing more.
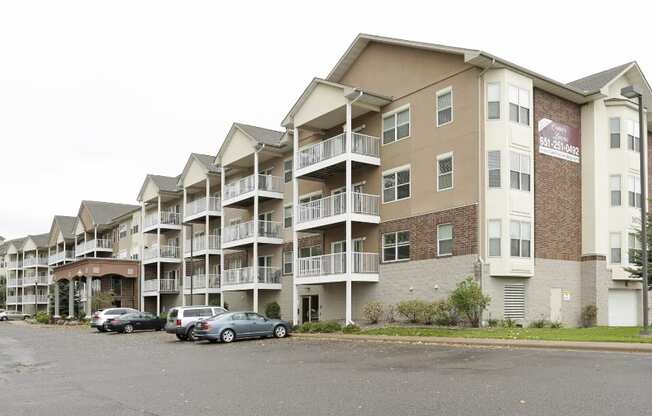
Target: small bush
(164, 316)
(556, 325)
(589, 316)
(390, 313)
(351, 329)
(372, 312)
(539, 323)
(468, 299)
(42, 318)
(273, 310)
(319, 327)
(508, 323)
(412, 310)
(492, 323)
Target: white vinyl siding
(514, 301)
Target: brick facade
(423, 231)
(557, 187)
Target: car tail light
(203, 325)
(178, 322)
(96, 316)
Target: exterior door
(555, 304)
(310, 308)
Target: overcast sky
(93, 96)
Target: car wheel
(4, 318)
(128, 329)
(227, 336)
(280, 331)
(190, 334)
(181, 337)
(101, 329)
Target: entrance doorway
(310, 308)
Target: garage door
(623, 307)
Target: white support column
(295, 234)
(349, 205)
(222, 181)
(89, 296)
(158, 253)
(64, 251)
(71, 298)
(56, 300)
(184, 237)
(142, 252)
(207, 261)
(95, 236)
(256, 225)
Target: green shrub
(556, 325)
(273, 310)
(102, 300)
(443, 313)
(412, 310)
(372, 312)
(390, 313)
(42, 317)
(539, 323)
(589, 316)
(492, 323)
(508, 323)
(164, 316)
(351, 329)
(468, 299)
(319, 327)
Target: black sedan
(137, 321)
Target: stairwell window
(287, 216)
(614, 248)
(445, 240)
(445, 172)
(396, 246)
(519, 105)
(287, 170)
(633, 139)
(444, 106)
(614, 133)
(520, 238)
(634, 191)
(495, 240)
(493, 101)
(396, 184)
(396, 125)
(493, 163)
(633, 246)
(615, 190)
(519, 171)
(287, 262)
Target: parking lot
(76, 371)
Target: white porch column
(256, 225)
(95, 236)
(89, 296)
(295, 234)
(64, 251)
(158, 253)
(184, 237)
(349, 210)
(142, 252)
(71, 298)
(56, 300)
(206, 259)
(222, 180)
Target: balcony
(14, 282)
(35, 262)
(168, 220)
(152, 286)
(100, 245)
(241, 192)
(199, 208)
(243, 278)
(31, 299)
(199, 283)
(199, 246)
(269, 232)
(332, 210)
(60, 257)
(323, 159)
(162, 254)
(330, 268)
(14, 300)
(14, 264)
(33, 279)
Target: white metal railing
(150, 285)
(14, 264)
(202, 205)
(335, 263)
(61, 256)
(362, 144)
(336, 204)
(169, 285)
(269, 275)
(13, 281)
(166, 217)
(32, 279)
(238, 231)
(198, 282)
(270, 229)
(270, 183)
(35, 261)
(166, 252)
(14, 299)
(366, 204)
(92, 245)
(40, 298)
(199, 243)
(247, 184)
(238, 276)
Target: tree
(468, 299)
(3, 291)
(636, 268)
(103, 300)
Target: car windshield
(129, 316)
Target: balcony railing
(166, 285)
(30, 280)
(166, 218)
(13, 281)
(270, 229)
(245, 185)
(335, 146)
(163, 252)
(202, 205)
(92, 245)
(335, 263)
(199, 281)
(61, 256)
(245, 275)
(336, 204)
(14, 299)
(199, 243)
(35, 261)
(14, 264)
(40, 298)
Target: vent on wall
(514, 301)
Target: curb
(485, 342)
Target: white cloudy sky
(94, 95)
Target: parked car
(100, 318)
(230, 326)
(182, 319)
(138, 321)
(10, 315)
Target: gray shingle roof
(207, 161)
(166, 183)
(262, 135)
(598, 80)
(17, 242)
(104, 212)
(66, 225)
(41, 240)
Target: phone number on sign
(559, 146)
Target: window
(123, 231)
(493, 162)
(520, 239)
(134, 228)
(396, 246)
(310, 251)
(634, 246)
(615, 191)
(396, 185)
(633, 139)
(634, 185)
(287, 262)
(445, 172)
(309, 198)
(519, 105)
(444, 106)
(445, 239)
(614, 133)
(493, 101)
(614, 248)
(287, 170)
(396, 126)
(495, 231)
(519, 174)
(287, 216)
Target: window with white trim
(615, 250)
(614, 132)
(444, 106)
(493, 101)
(520, 234)
(615, 190)
(396, 126)
(287, 262)
(633, 246)
(445, 239)
(123, 231)
(495, 237)
(396, 185)
(519, 105)
(287, 170)
(493, 163)
(287, 216)
(396, 246)
(310, 251)
(634, 191)
(519, 171)
(445, 172)
(633, 139)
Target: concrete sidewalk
(486, 342)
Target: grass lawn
(601, 334)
